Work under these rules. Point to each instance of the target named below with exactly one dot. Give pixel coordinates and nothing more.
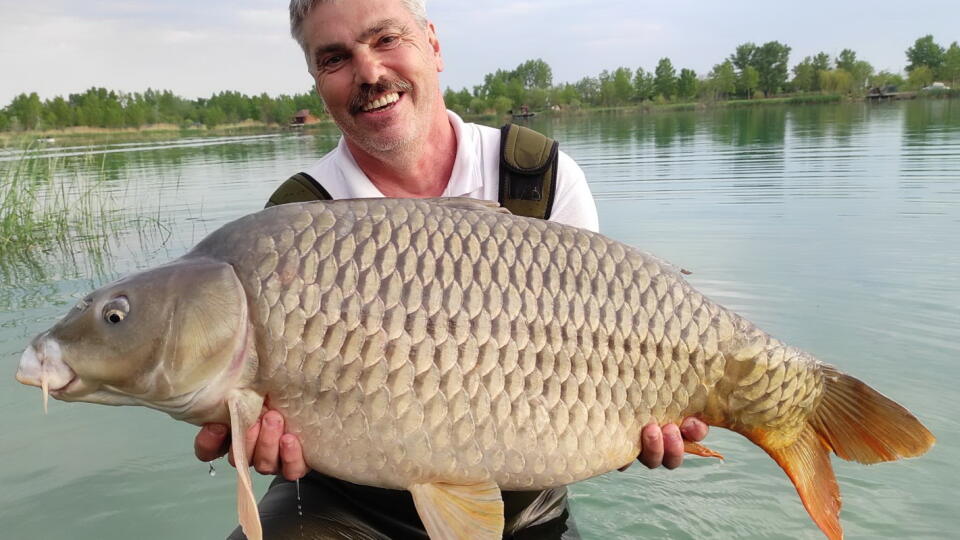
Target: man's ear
(435, 45)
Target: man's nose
(367, 67)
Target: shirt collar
(465, 178)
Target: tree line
(751, 71)
(99, 107)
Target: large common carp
(451, 349)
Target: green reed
(41, 204)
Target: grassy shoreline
(157, 132)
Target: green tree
(925, 52)
(57, 113)
(919, 77)
(27, 109)
(687, 84)
(859, 70)
(846, 60)
(723, 78)
(950, 71)
(213, 116)
(748, 81)
(665, 79)
(565, 94)
(837, 81)
(623, 85)
(821, 62)
(589, 90)
(606, 87)
(534, 74)
(477, 105)
(743, 56)
(643, 87)
(886, 79)
(805, 77)
(502, 104)
(770, 61)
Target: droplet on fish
(213, 472)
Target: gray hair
(299, 9)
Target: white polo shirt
(476, 174)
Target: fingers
(271, 451)
(249, 442)
(661, 446)
(651, 452)
(694, 429)
(211, 442)
(291, 455)
(266, 455)
(672, 446)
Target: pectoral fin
(451, 511)
(244, 409)
(698, 449)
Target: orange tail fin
(855, 422)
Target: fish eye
(116, 310)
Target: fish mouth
(42, 365)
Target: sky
(199, 47)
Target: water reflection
(750, 126)
(931, 119)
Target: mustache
(367, 92)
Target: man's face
(376, 69)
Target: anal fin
(451, 511)
(807, 463)
(244, 407)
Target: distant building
(303, 118)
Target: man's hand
(665, 446)
(274, 452)
(271, 450)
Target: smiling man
(375, 63)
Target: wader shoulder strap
(300, 187)
(528, 171)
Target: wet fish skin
(411, 343)
(485, 373)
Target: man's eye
(331, 62)
(389, 40)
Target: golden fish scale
(409, 342)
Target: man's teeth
(381, 102)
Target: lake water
(834, 228)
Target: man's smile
(384, 102)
